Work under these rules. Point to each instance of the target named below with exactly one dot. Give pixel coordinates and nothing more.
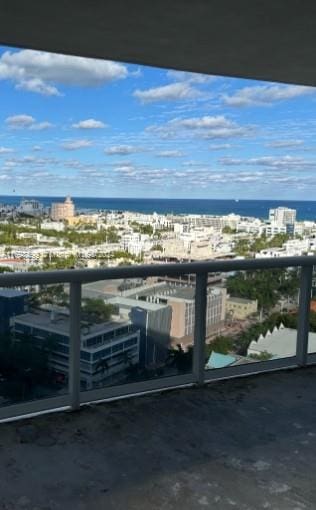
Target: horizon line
(161, 198)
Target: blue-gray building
(12, 303)
(107, 349)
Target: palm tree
(180, 358)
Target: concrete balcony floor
(243, 444)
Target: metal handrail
(139, 271)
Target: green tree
(220, 344)
(228, 230)
(95, 310)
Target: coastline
(306, 210)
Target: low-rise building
(30, 207)
(240, 308)
(279, 343)
(53, 225)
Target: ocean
(306, 210)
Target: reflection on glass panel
(260, 319)
(137, 329)
(34, 338)
(312, 317)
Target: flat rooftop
(12, 293)
(169, 291)
(242, 301)
(246, 443)
(129, 303)
(61, 323)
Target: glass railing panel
(34, 342)
(255, 318)
(312, 319)
(136, 329)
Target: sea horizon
(259, 208)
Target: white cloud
(265, 95)
(89, 124)
(272, 162)
(38, 71)
(208, 127)
(170, 154)
(229, 132)
(207, 122)
(285, 144)
(24, 121)
(121, 150)
(5, 150)
(190, 77)
(38, 86)
(20, 121)
(220, 146)
(76, 144)
(172, 92)
(39, 126)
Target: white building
(282, 216)
(280, 343)
(30, 207)
(52, 225)
(136, 243)
(274, 228)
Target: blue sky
(85, 127)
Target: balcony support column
(74, 345)
(303, 315)
(200, 327)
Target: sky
(95, 128)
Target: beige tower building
(63, 210)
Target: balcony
(246, 444)
(214, 440)
(67, 361)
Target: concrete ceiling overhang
(263, 39)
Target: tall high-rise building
(282, 216)
(62, 210)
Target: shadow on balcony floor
(244, 444)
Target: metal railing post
(303, 315)
(74, 345)
(200, 327)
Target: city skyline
(92, 128)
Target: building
(116, 344)
(52, 225)
(181, 299)
(30, 207)
(240, 308)
(83, 220)
(282, 216)
(154, 322)
(279, 343)
(136, 243)
(61, 211)
(12, 303)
